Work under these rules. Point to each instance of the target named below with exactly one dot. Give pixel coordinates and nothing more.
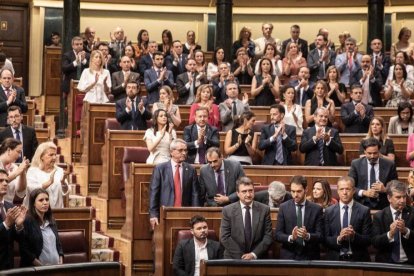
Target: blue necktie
(19, 160)
(320, 147)
(345, 219)
(395, 254)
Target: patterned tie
(299, 224)
(247, 229)
(220, 183)
(395, 254)
(320, 147)
(177, 187)
(279, 149)
(2, 212)
(79, 70)
(19, 160)
(7, 92)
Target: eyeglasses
(14, 117)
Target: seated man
(321, 143)
(356, 115)
(132, 112)
(277, 139)
(347, 226)
(218, 179)
(274, 196)
(303, 86)
(190, 252)
(393, 228)
(121, 78)
(246, 227)
(200, 136)
(232, 107)
(299, 224)
(10, 95)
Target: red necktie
(177, 187)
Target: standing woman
(293, 111)
(403, 123)
(95, 81)
(204, 97)
(399, 89)
(212, 67)
(265, 86)
(292, 62)
(141, 48)
(337, 90)
(159, 137)
(40, 244)
(166, 103)
(240, 143)
(43, 173)
(319, 99)
(166, 44)
(245, 42)
(403, 44)
(242, 68)
(410, 150)
(200, 65)
(272, 54)
(129, 51)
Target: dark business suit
(220, 92)
(381, 226)
(386, 64)
(263, 197)
(208, 183)
(7, 238)
(145, 63)
(69, 72)
(20, 101)
(29, 139)
(191, 135)
(307, 93)
(270, 148)
(153, 86)
(311, 150)
(127, 120)
(232, 231)
(118, 91)
(162, 187)
(316, 68)
(375, 86)
(359, 172)
(31, 242)
(177, 69)
(361, 223)
(302, 46)
(184, 256)
(183, 92)
(286, 221)
(353, 121)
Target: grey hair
(175, 142)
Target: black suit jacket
(302, 46)
(352, 121)
(375, 86)
(191, 135)
(184, 256)
(7, 238)
(311, 149)
(183, 92)
(263, 197)
(30, 142)
(307, 94)
(316, 68)
(177, 69)
(381, 226)
(362, 224)
(270, 148)
(359, 172)
(127, 120)
(118, 91)
(220, 92)
(286, 221)
(20, 101)
(386, 64)
(208, 183)
(69, 72)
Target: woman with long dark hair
(403, 123)
(322, 194)
(166, 45)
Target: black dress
(265, 97)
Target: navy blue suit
(191, 135)
(307, 94)
(270, 148)
(176, 69)
(145, 63)
(153, 86)
(7, 238)
(162, 187)
(127, 120)
(30, 142)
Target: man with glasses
(21, 132)
(174, 183)
(218, 179)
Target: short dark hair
(31, 212)
(9, 143)
(299, 180)
(157, 53)
(103, 43)
(244, 180)
(54, 34)
(402, 106)
(395, 186)
(371, 142)
(3, 171)
(197, 219)
(132, 82)
(212, 150)
(14, 108)
(279, 107)
(188, 59)
(355, 86)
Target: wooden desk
(52, 79)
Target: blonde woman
(320, 99)
(204, 97)
(166, 103)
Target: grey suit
(118, 90)
(226, 114)
(316, 68)
(208, 184)
(232, 231)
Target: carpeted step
(101, 241)
(104, 255)
(79, 201)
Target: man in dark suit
(132, 112)
(11, 223)
(190, 252)
(177, 60)
(218, 179)
(393, 228)
(303, 87)
(277, 139)
(371, 174)
(121, 78)
(219, 84)
(73, 63)
(325, 33)
(302, 44)
(274, 196)
(320, 58)
(146, 61)
(16, 130)
(370, 80)
(156, 77)
(380, 61)
(356, 115)
(109, 62)
(190, 46)
(188, 82)
(299, 224)
(246, 227)
(347, 226)
(320, 143)
(200, 136)
(173, 183)
(10, 95)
